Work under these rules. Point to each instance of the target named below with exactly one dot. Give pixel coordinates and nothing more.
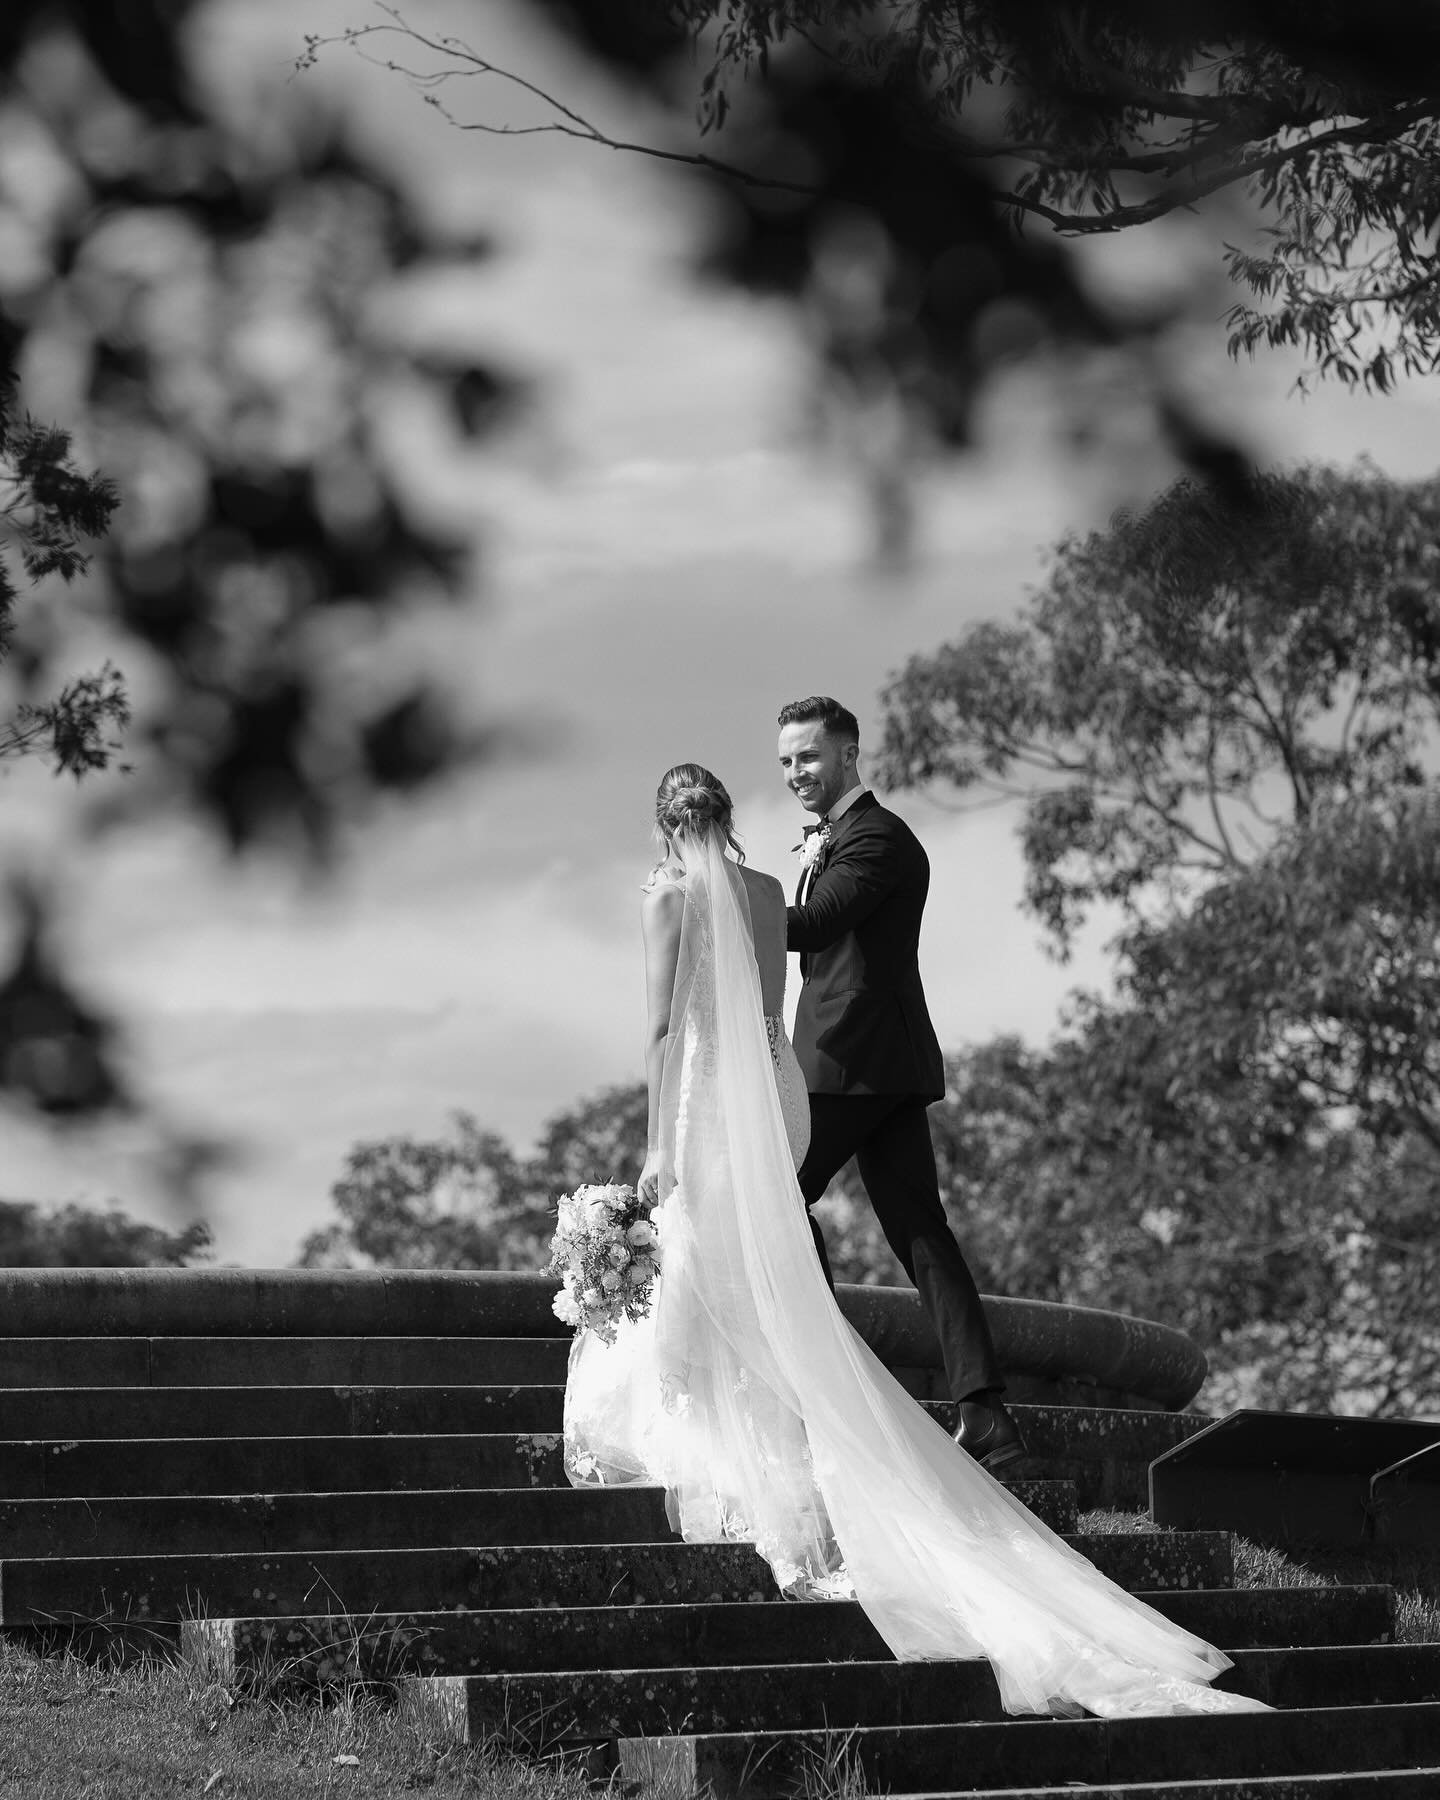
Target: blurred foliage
(1096, 118)
(406, 1204)
(599, 1140)
(194, 283)
(914, 178)
(469, 1202)
(56, 1052)
(77, 1237)
(1297, 1249)
(844, 193)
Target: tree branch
(570, 123)
(1212, 787)
(1145, 211)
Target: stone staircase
(387, 1505)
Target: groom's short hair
(838, 720)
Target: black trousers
(889, 1138)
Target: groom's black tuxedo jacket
(862, 1026)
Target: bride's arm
(660, 920)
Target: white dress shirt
(842, 805)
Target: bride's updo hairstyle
(693, 801)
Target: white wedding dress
(747, 1396)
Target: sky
(665, 560)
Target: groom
(865, 1042)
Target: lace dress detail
(790, 1086)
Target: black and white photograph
(720, 899)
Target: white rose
(618, 1254)
(639, 1272)
(597, 1213)
(641, 1232)
(618, 1198)
(609, 1281)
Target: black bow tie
(810, 830)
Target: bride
(747, 1396)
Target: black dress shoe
(988, 1432)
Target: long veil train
(766, 1418)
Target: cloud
(296, 1090)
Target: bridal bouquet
(609, 1254)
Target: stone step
(224, 1468)
(428, 1580)
(700, 1634)
(281, 1361)
(1058, 1752)
(129, 1525)
(153, 1412)
(94, 1467)
(1092, 1433)
(610, 1703)
(802, 1691)
(1087, 1435)
(270, 1584)
(132, 1525)
(1351, 1784)
(1337, 1674)
(1105, 1451)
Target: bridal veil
(766, 1418)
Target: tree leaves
(469, 1202)
(1224, 724)
(77, 1237)
(1187, 682)
(1103, 118)
(1300, 1255)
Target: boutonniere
(813, 847)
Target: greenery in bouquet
(607, 1249)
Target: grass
(80, 1730)
(1413, 1572)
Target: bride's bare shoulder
(661, 905)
